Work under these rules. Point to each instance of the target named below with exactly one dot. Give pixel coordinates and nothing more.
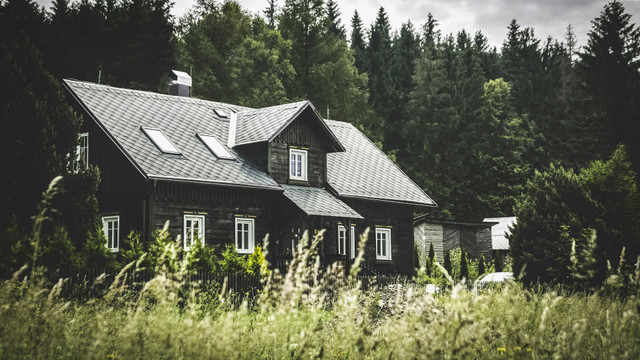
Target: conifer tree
(447, 261)
(498, 263)
(270, 13)
(335, 26)
(464, 266)
(481, 266)
(357, 43)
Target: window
(298, 164)
(221, 113)
(193, 230)
(342, 239)
(352, 240)
(111, 230)
(216, 147)
(244, 235)
(82, 152)
(383, 244)
(161, 141)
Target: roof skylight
(160, 140)
(221, 113)
(216, 147)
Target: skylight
(160, 140)
(216, 147)
(221, 113)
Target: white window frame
(201, 229)
(383, 251)
(161, 141)
(81, 163)
(303, 164)
(112, 244)
(251, 236)
(352, 239)
(215, 146)
(342, 241)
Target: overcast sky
(547, 17)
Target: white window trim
(342, 235)
(172, 149)
(352, 239)
(304, 158)
(379, 255)
(191, 217)
(78, 164)
(252, 235)
(105, 221)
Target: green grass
(293, 318)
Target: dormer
(289, 141)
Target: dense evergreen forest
(468, 122)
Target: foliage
(293, 317)
(201, 258)
(231, 261)
(464, 266)
(557, 212)
(447, 261)
(481, 266)
(257, 263)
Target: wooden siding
(122, 190)
(426, 234)
(303, 133)
(451, 238)
(220, 206)
(483, 241)
(400, 219)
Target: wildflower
(502, 349)
(110, 356)
(529, 350)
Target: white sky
(547, 17)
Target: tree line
(470, 123)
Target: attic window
(216, 147)
(221, 113)
(160, 140)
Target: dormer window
(298, 164)
(161, 141)
(214, 145)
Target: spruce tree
(381, 89)
(610, 73)
(357, 43)
(335, 26)
(270, 13)
(497, 262)
(432, 253)
(464, 266)
(481, 266)
(447, 261)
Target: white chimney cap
(182, 78)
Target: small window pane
(214, 145)
(161, 141)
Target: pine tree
(481, 266)
(381, 92)
(270, 13)
(335, 26)
(357, 43)
(464, 266)
(447, 261)
(610, 73)
(432, 253)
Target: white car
(496, 277)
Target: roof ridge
(154, 95)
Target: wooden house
(226, 174)
(445, 235)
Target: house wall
(426, 234)
(483, 241)
(220, 206)
(400, 219)
(122, 190)
(451, 238)
(303, 133)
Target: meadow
(309, 313)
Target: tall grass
(310, 313)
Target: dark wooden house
(473, 237)
(226, 174)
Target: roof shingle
(318, 202)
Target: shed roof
(500, 231)
(319, 202)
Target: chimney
(179, 83)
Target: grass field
(298, 316)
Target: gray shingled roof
(318, 202)
(122, 112)
(364, 171)
(258, 125)
(500, 231)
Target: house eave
(214, 182)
